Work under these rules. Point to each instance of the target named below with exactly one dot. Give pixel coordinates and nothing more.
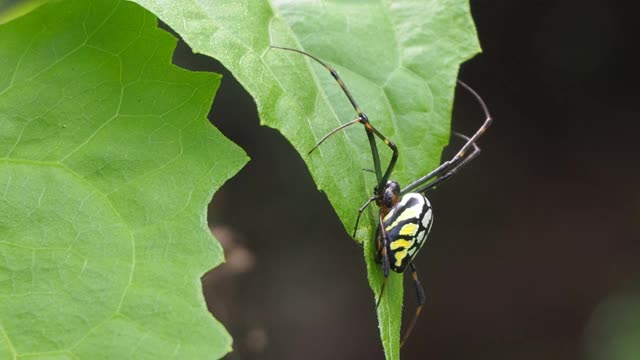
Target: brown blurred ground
(528, 241)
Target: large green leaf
(614, 330)
(399, 58)
(107, 163)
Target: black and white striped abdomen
(407, 226)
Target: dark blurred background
(535, 253)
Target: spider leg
(421, 299)
(360, 211)
(452, 169)
(449, 167)
(385, 259)
(362, 118)
(481, 130)
(354, 121)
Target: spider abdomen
(407, 226)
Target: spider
(405, 215)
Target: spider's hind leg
(420, 298)
(381, 252)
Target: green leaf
(10, 10)
(613, 330)
(107, 163)
(400, 60)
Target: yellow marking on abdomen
(400, 243)
(400, 255)
(409, 229)
(408, 213)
